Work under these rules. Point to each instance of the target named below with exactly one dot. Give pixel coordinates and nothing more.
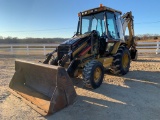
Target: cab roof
(97, 10)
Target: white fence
(29, 48)
(148, 47)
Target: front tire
(93, 74)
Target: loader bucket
(45, 88)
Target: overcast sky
(58, 18)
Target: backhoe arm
(127, 21)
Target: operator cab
(106, 21)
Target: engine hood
(75, 39)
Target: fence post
(27, 50)
(11, 49)
(158, 48)
(44, 49)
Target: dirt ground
(135, 96)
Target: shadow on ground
(143, 60)
(140, 100)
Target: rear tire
(93, 74)
(121, 61)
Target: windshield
(93, 22)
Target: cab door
(112, 32)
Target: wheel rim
(125, 60)
(97, 74)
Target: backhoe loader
(98, 44)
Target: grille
(63, 50)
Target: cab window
(112, 28)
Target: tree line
(15, 40)
(147, 37)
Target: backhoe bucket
(134, 54)
(45, 88)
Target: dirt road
(135, 96)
